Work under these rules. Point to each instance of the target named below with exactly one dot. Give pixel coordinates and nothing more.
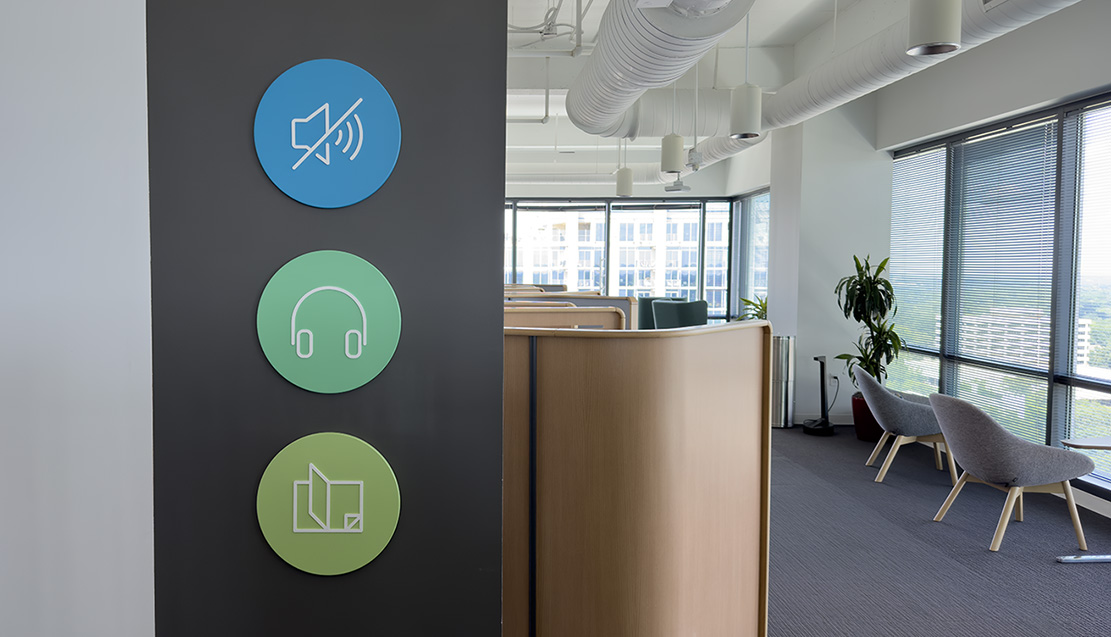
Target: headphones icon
(295, 334)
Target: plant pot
(867, 428)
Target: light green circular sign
(328, 503)
(328, 321)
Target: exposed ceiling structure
(548, 27)
(577, 83)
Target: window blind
(917, 240)
(1002, 202)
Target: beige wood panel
(539, 304)
(626, 304)
(606, 318)
(515, 488)
(652, 483)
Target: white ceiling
(557, 147)
(774, 22)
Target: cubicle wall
(636, 481)
(627, 304)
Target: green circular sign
(328, 503)
(328, 321)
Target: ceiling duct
(639, 49)
(875, 63)
(872, 64)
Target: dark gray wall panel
(219, 230)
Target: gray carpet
(852, 557)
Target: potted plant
(755, 309)
(869, 298)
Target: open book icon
(321, 505)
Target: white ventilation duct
(639, 49)
(869, 66)
(875, 63)
(643, 174)
(651, 115)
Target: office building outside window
(558, 243)
(679, 249)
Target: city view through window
(679, 249)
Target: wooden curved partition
(636, 482)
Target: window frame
(611, 269)
(1059, 377)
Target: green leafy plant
(755, 309)
(869, 298)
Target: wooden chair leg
(899, 442)
(952, 496)
(1067, 488)
(879, 447)
(937, 457)
(1019, 507)
(952, 464)
(1012, 495)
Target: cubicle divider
(627, 304)
(603, 318)
(636, 474)
(539, 304)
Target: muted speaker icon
(325, 133)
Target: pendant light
(671, 149)
(935, 27)
(624, 173)
(746, 104)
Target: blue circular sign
(327, 133)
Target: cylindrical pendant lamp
(625, 182)
(935, 27)
(746, 112)
(671, 154)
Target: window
(716, 268)
(751, 260)
(681, 249)
(1002, 275)
(509, 225)
(584, 232)
(917, 237)
(546, 253)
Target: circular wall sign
(328, 503)
(328, 321)
(327, 133)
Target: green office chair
(679, 313)
(645, 319)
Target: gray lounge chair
(991, 455)
(907, 417)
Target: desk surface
(1088, 443)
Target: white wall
(1054, 60)
(76, 541)
(751, 169)
(843, 209)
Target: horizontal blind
(917, 240)
(1091, 325)
(1016, 401)
(1002, 200)
(914, 373)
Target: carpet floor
(852, 557)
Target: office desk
(1102, 443)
